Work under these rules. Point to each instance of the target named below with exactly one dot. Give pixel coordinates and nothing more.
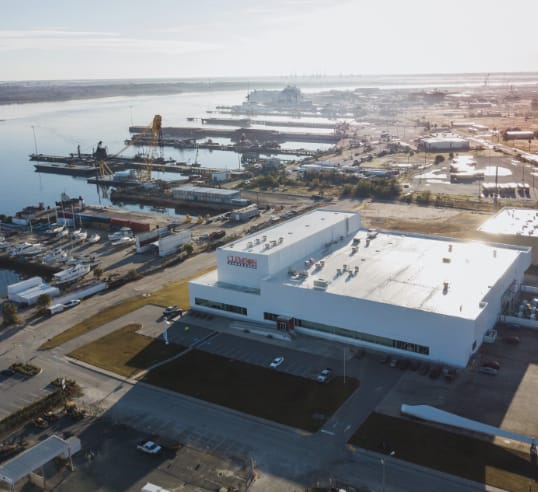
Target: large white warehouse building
(324, 275)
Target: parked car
(72, 303)
(488, 370)
(511, 339)
(492, 363)
(172, 311)
(149, 447)
(324, 375)
(277, 361)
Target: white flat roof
(290, 231)
(513, 222)
(409, 271)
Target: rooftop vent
(450, 248)
(321, 284)
(446, 260)
(280, 240)
(445, 287)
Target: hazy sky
(80, 39)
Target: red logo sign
(242, 261)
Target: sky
(116, 39)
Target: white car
(72, 303)
(324, 375)
(149, 447)
(277, 361)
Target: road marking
(327, 432)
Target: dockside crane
(156, 137)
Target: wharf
(192, 144)
(242, 122)
(65, 165)
(241, 134)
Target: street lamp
(165, 331)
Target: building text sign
(242, 261)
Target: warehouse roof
(418, 272)
(286, 233)
(205, 189)
(512, 221)
(32, 459)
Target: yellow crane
(156, 134)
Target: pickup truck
(148, 447)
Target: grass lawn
(172, 293)
(125, 352)
(255, 390)
(452, 453)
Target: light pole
(382, 460)
(165, 331)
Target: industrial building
(517, 226)
(204, 194)
(324, 275)
(448, 143)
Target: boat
(79, 235)
(18, 249)
(123, 241)
(55, 229)
(71, 274)
(55, 256)
(123, 232)
(94, 238)
(34, 249)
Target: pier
(242, 134)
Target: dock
(242, 134)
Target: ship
(71, 274)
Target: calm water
(59, 127)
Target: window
(365, 337)
(230, 308)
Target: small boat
(123, 232)
(55, 229)
(56, 256)
(71, 274)
(79, 235)
(94, 238)
(34, 249)
(123, 241)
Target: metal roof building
(513, 226)
(324, 275)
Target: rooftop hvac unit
(445, 287)
(354, 249)
(273, 242)
(320, 284)
(356, 269)
(446, 260)
(249, 244)
(322, 263)
(267, 245)
(450, 248)
(280, 240)
(344, 267)
(264, 238)
(258, 240)
(338, 271)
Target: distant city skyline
(62, 40)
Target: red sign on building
(242, 261)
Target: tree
(9, 312)
(439, 158)
(188, 248)
(97, 272)
(43, 302)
